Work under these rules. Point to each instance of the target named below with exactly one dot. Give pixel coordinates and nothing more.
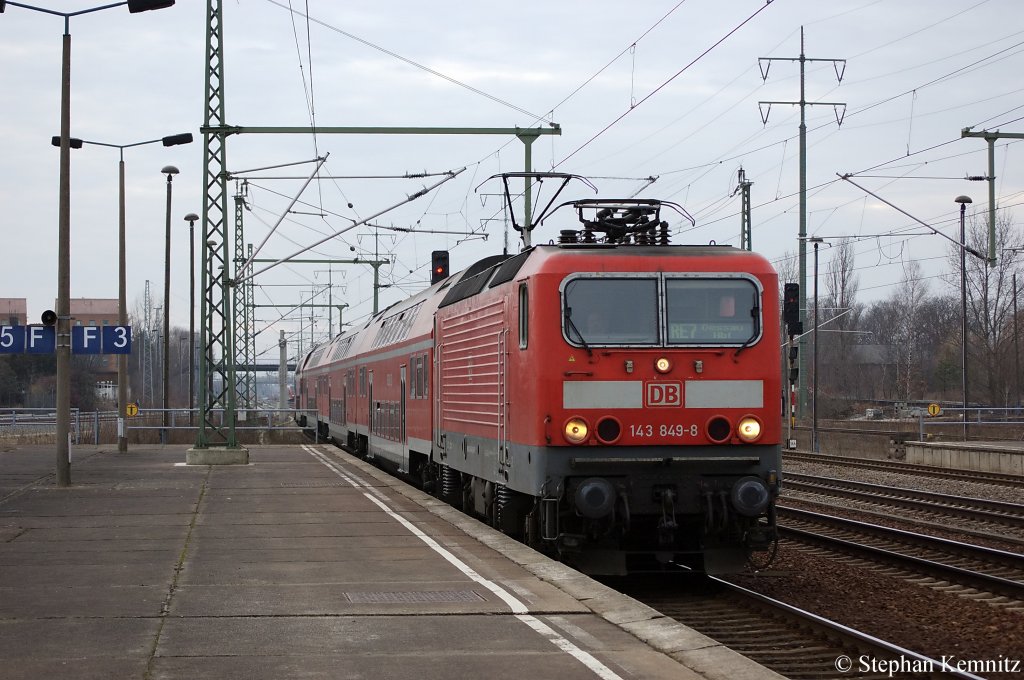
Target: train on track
(610, 399)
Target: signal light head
(438, 266)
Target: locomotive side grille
(471, 376)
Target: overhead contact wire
(666, 83)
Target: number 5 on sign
(12, 339)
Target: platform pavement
(304, 563)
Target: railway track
(907, 468)
(788, 640)
(994, 520)
(986, 574)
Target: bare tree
(788, 269)
(906, 344)
(843, 314)
(840, 281)
(989, 306)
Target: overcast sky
(642, 89)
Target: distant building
(93, 312)
(98, 312)
(13, 311)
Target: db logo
(664, 394)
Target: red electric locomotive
(610, 399)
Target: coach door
(401, 410)
(371, 418)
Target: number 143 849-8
(664, 430)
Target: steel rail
(909, 468)
(1005, 570)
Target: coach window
(717, 311)
(413, 388)
(524, 316)
(425, 380)
(610, 311)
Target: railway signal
(438, 266)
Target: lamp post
(170, 171)
(63, 349)
(815, 447)
(963, 201)
(191, 219)
(122, 310)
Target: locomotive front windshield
(657, 311)
(711, 311)
(612, 311)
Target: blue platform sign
(86, 340)
(40, 339)
(12, 339)
(117, 339)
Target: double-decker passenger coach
(610, 398)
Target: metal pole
(814, 397)
(282, 373)
(191, 217)
(802, 236)
(991, 201)
(170, 171)
(64, 271)
(963, 305)
(1016, 346)
(341, 325)
(122, 315)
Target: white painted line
(557, 640)
(520, 610)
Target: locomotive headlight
(749, 429)
(576, 430)
(663, 365)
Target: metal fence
(978, 423)
(101, 427)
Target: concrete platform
(1003, 457)
(303, 563)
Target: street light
(122, 310)
(191, 218)
(963, 201)
(170, 171)
(63, 349)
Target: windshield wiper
(754, 314)
(572, 327)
